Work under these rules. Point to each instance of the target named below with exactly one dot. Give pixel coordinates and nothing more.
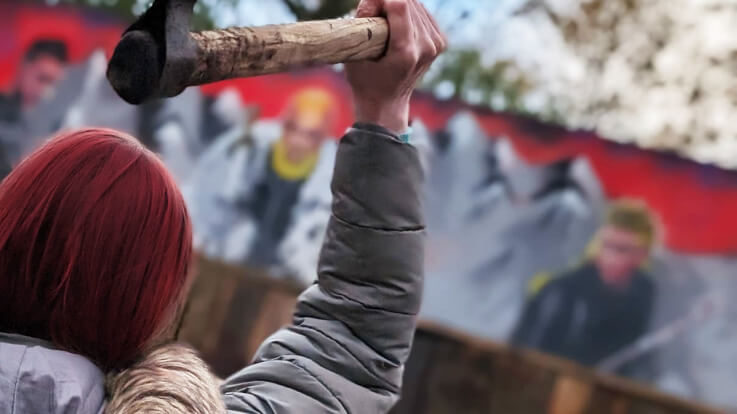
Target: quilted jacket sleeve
(352, 330)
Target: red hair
(95, 244)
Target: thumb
(370, 8)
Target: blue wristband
(406, 135)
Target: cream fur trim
(171, 379)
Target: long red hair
(95, 244)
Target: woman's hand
(382, 89)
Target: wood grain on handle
(251, 51)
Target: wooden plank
(276, 312)
(232, 310)
(609, 394)
(419, 365)
(570, 396)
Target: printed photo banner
(695, 202)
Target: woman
(95, 244)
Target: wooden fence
(449, 372)
(232, 310)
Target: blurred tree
(204, 17)
(659, 73)
(320, 9)
(120, 8)
(130, 9)
(461, 74)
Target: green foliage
(464, 69)
(326, 10)
(120, 8)
(203, 15)
(128, 10)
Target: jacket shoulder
(45, 377)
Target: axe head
(156, 54)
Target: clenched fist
(382, 89)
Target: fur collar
(170, 379)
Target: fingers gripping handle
(251, 51)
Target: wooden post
(570, 396)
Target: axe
(158, 56)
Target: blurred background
(580, 196)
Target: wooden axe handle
(250, 51)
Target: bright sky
(468, 21)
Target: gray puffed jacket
(352, 330)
